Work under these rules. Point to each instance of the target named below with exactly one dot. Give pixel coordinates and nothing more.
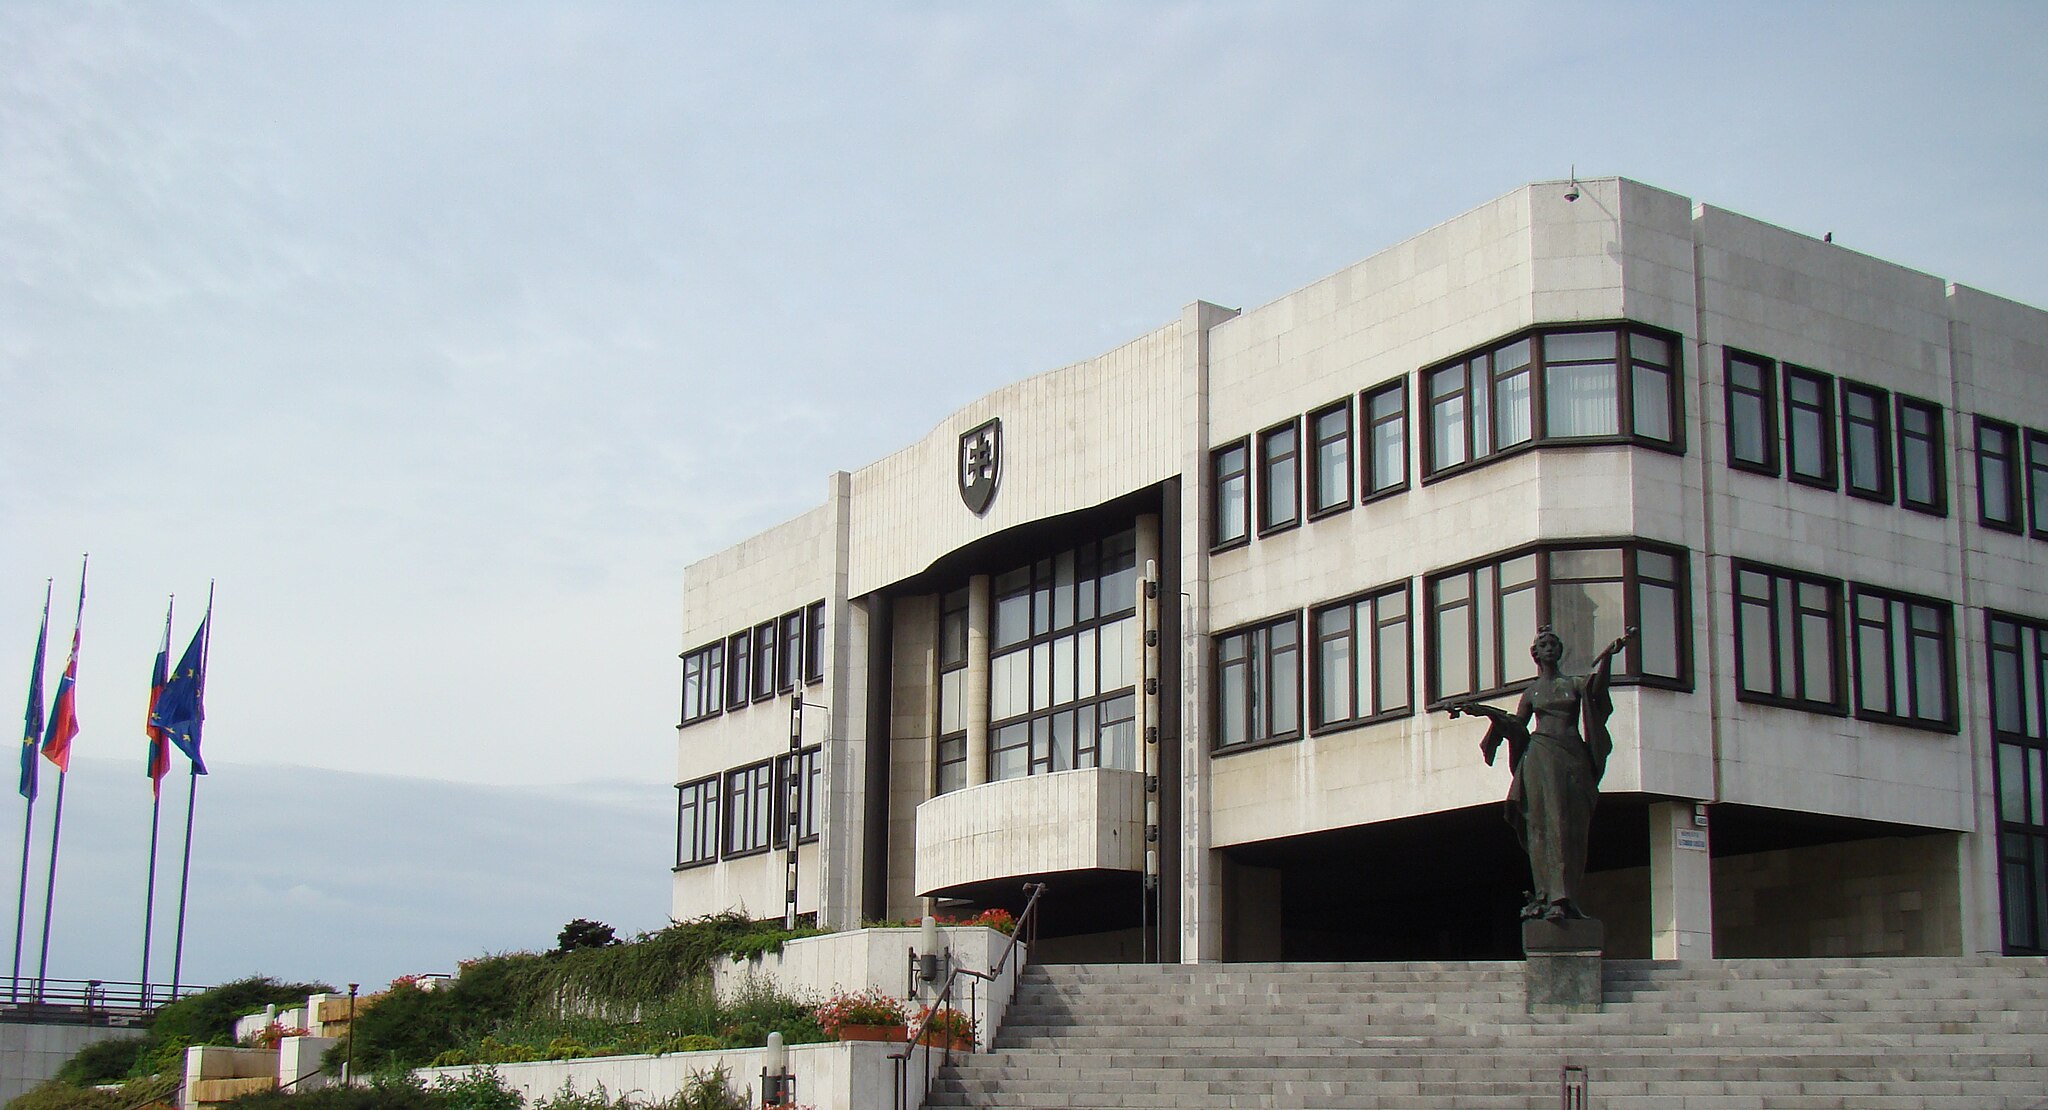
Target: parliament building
(1171, 629)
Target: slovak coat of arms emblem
(981, 464)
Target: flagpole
(63, 772)
(156, 800)
(32, 735)
(191, 800)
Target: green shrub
(584, 933)
(481, 1089)
(209, 1017)
(58, 1095)
(401, 1092)
(103, 1061)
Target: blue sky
(444, 336)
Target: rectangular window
(1230, 488)
(2037, 481)
(1810, 427)
(1999, 502)
(1905, 658)
(739, 656)
(1362, 659)
(764, 660)
(950, 766)
(1602, 384)
(704, 682)
(697, 822)
(1329, 478)
(814, 642)
(2019, 724)
(749, 809)
(1923, 457)
(1482, 618)
(1279, 478)
(1867, 441)
(1788, 637)
(810, 773)
(789, 662)
(1258, 693)
(1383, 415)
(1751, 390)
(1579, 385)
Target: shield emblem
(981, 464)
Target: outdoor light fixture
(778, 1083)
(348, 1066)
(927, 960)
(1571, 188)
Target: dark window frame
(1374, 486)
(1262, 657)
(1837, 617)
(1765, 395)
(2013, 519)
(708, 661)
(2034, 460)
(754, 786)
(1934, 447)
(950, 745)
(1905, 603)
(1628, 669)
(739, 662)
(811, 761)
(1829, 435)
(1323, 501)
(814, 643)
(1481, 395)
(704, 836)
(1271, 460)
(1317, 639)
(1878, 425)
(2022, 835)
(789, 651)
(1219, 480)
(765, 655)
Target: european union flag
(181, 708)
(32, 726)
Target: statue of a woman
(1557, 761)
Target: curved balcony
(1088, 820)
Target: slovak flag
(159, 739)
(63, 713)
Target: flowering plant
(868, 1007)
(946, 1022)
(271, 1034)
(998, 919)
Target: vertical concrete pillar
(980, 615)
(1681, 884)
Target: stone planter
(870, 1033)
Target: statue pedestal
(1563, 965)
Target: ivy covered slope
(590, 996)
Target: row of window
(1804, 641)
(1613, 384)
(754, 803)
(1836, 433)
(754, 664)
(1062, 666)
(1800, 638)
(2012, 477)
(2019, 724)
(1480, 619)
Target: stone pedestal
(1563, 965)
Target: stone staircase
(1857, 1034)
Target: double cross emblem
(981, 464)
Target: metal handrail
(1027, 926)
(83, 1001)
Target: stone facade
(1812, 685)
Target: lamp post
(778, 1083)
(348, 1066)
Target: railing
(82, 1001)
(1027, 932)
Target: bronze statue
(1557, 763)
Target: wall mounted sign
(981, 464)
